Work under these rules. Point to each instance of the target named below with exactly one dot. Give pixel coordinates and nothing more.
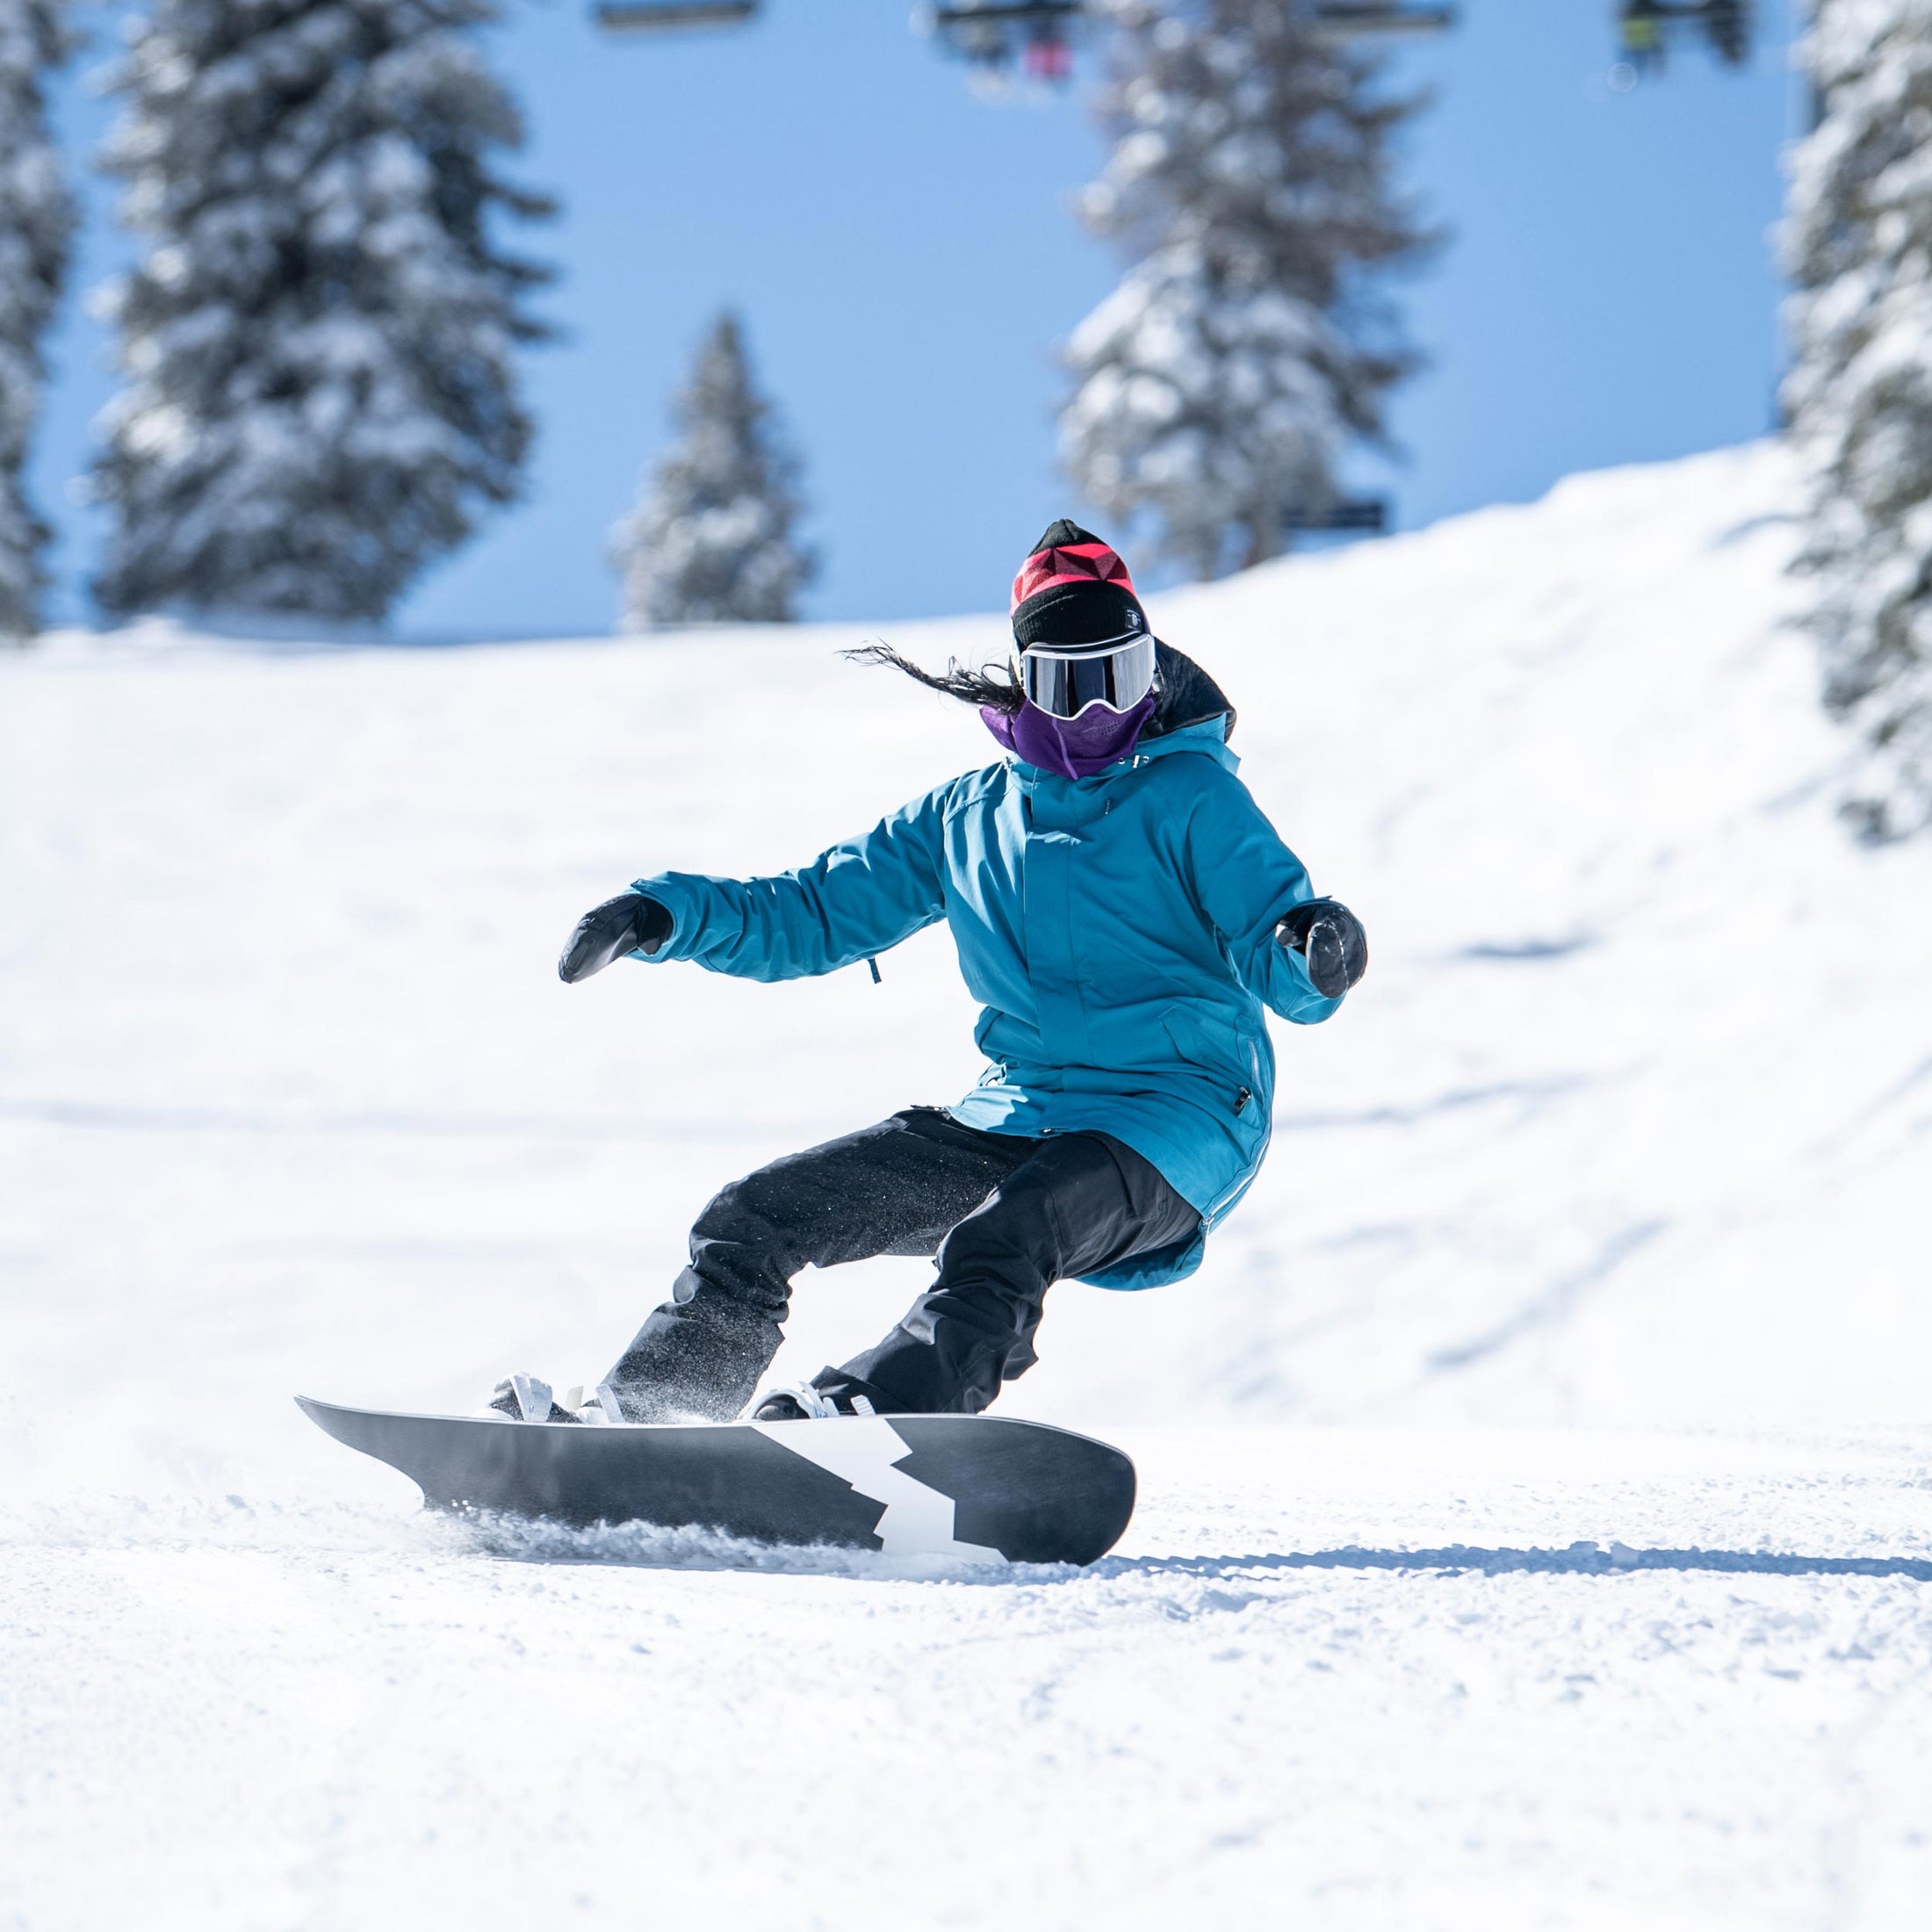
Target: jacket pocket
(1214, 1048)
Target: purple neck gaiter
(1072, 747)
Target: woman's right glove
(1331, 938)
(630, 923)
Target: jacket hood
(1188, 697)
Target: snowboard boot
(806, 1402)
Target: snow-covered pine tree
(1858, 245)
(318, 347)
(710, 539)
(36, 222)
(1250, 178)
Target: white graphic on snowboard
(861, 1450)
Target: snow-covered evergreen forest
(319, 342)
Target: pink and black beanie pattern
(1073, 589)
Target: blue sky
(906, 262)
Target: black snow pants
(1005, 1215)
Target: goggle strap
(1099, 648)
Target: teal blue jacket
(1118, 930)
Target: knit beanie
(1073, 589)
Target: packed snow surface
(1537, 1483)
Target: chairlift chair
(1036, 35)
(673, 15)
(1353, 19)
(1645, 28)
(1365, 515)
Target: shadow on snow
(648, 1546)
(1578, 1560)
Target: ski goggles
(1117, 672)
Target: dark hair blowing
(994, 686)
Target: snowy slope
(1625, 1136)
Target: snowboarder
(1123, 910)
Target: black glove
(630, 923)
(1331, 939)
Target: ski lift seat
(1367, 515)
(673, 15)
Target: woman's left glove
(1331, 939)
(630, 923)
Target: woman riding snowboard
(1123, 911)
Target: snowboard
(982, 1487)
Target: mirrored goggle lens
(1065, 686)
